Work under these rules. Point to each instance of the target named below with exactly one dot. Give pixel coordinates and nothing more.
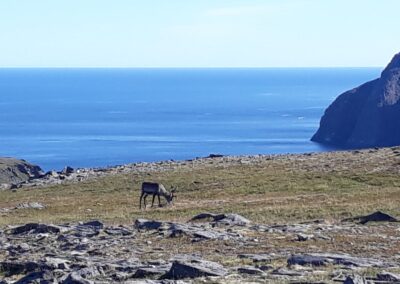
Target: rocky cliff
(13, 171)
(367, 116)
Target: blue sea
(102, 117)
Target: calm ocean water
(100, 117)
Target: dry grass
(281, 189)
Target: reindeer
(155, 189)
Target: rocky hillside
(367, 116)
(13, 171)
(303, 218)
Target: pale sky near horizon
(198, 33)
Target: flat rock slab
(307, 260)
(287, 272)
(250, 270)
(14, 268)
(118, 231)
(30, 205)
(377, 216)
(320, 259)
(356, 279)
(75, 278)
(388, 276)
(36, 228)
(193, 268)
(197, 231)
(143, 224)
(226, 219)
(258, 257)
(145, 272)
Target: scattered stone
(57, 263)
(204, 217)
(195, 231)
(193, 268)
(153, 271)
(53, 174)
(36, 228)
(75, 278)
(348, 260)
(212, 156)
(287, 272)
(5, 186)
(118, 231)
(16, 268)
(250, 270)
(377, 216)
(231, 219)
(303, 237)
(306, 260)
(356, 279)
(257, 257)
(90, 252)
(37, 277)
(226, 219)
(67, 171)
(30, 205)
(388, 276)
(88, 229)
(94, 224)
(143, 224)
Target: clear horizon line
(184, 67)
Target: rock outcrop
(14, 171)
(367, 116)
(171, 252)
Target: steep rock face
(13, 171)
(367, 116)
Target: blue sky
(198, 33)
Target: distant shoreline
(73, 175)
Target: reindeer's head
(172, 195)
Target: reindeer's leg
(145, 205)
(140, 200)
(152, 202)
(159, 200)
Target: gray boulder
(250, 270)
(356, 279)
(30, 205)
(377, 216)
(306, 260)
(388, 276)
(42, 277)
(35, 228)
(151, 271)
(10, 268)
(225, 219)
(75, 278)
(193, 268)
(143, 224)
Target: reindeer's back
(151, 186)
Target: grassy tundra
(267, 189)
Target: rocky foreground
(217, 248)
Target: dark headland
(367, 116)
